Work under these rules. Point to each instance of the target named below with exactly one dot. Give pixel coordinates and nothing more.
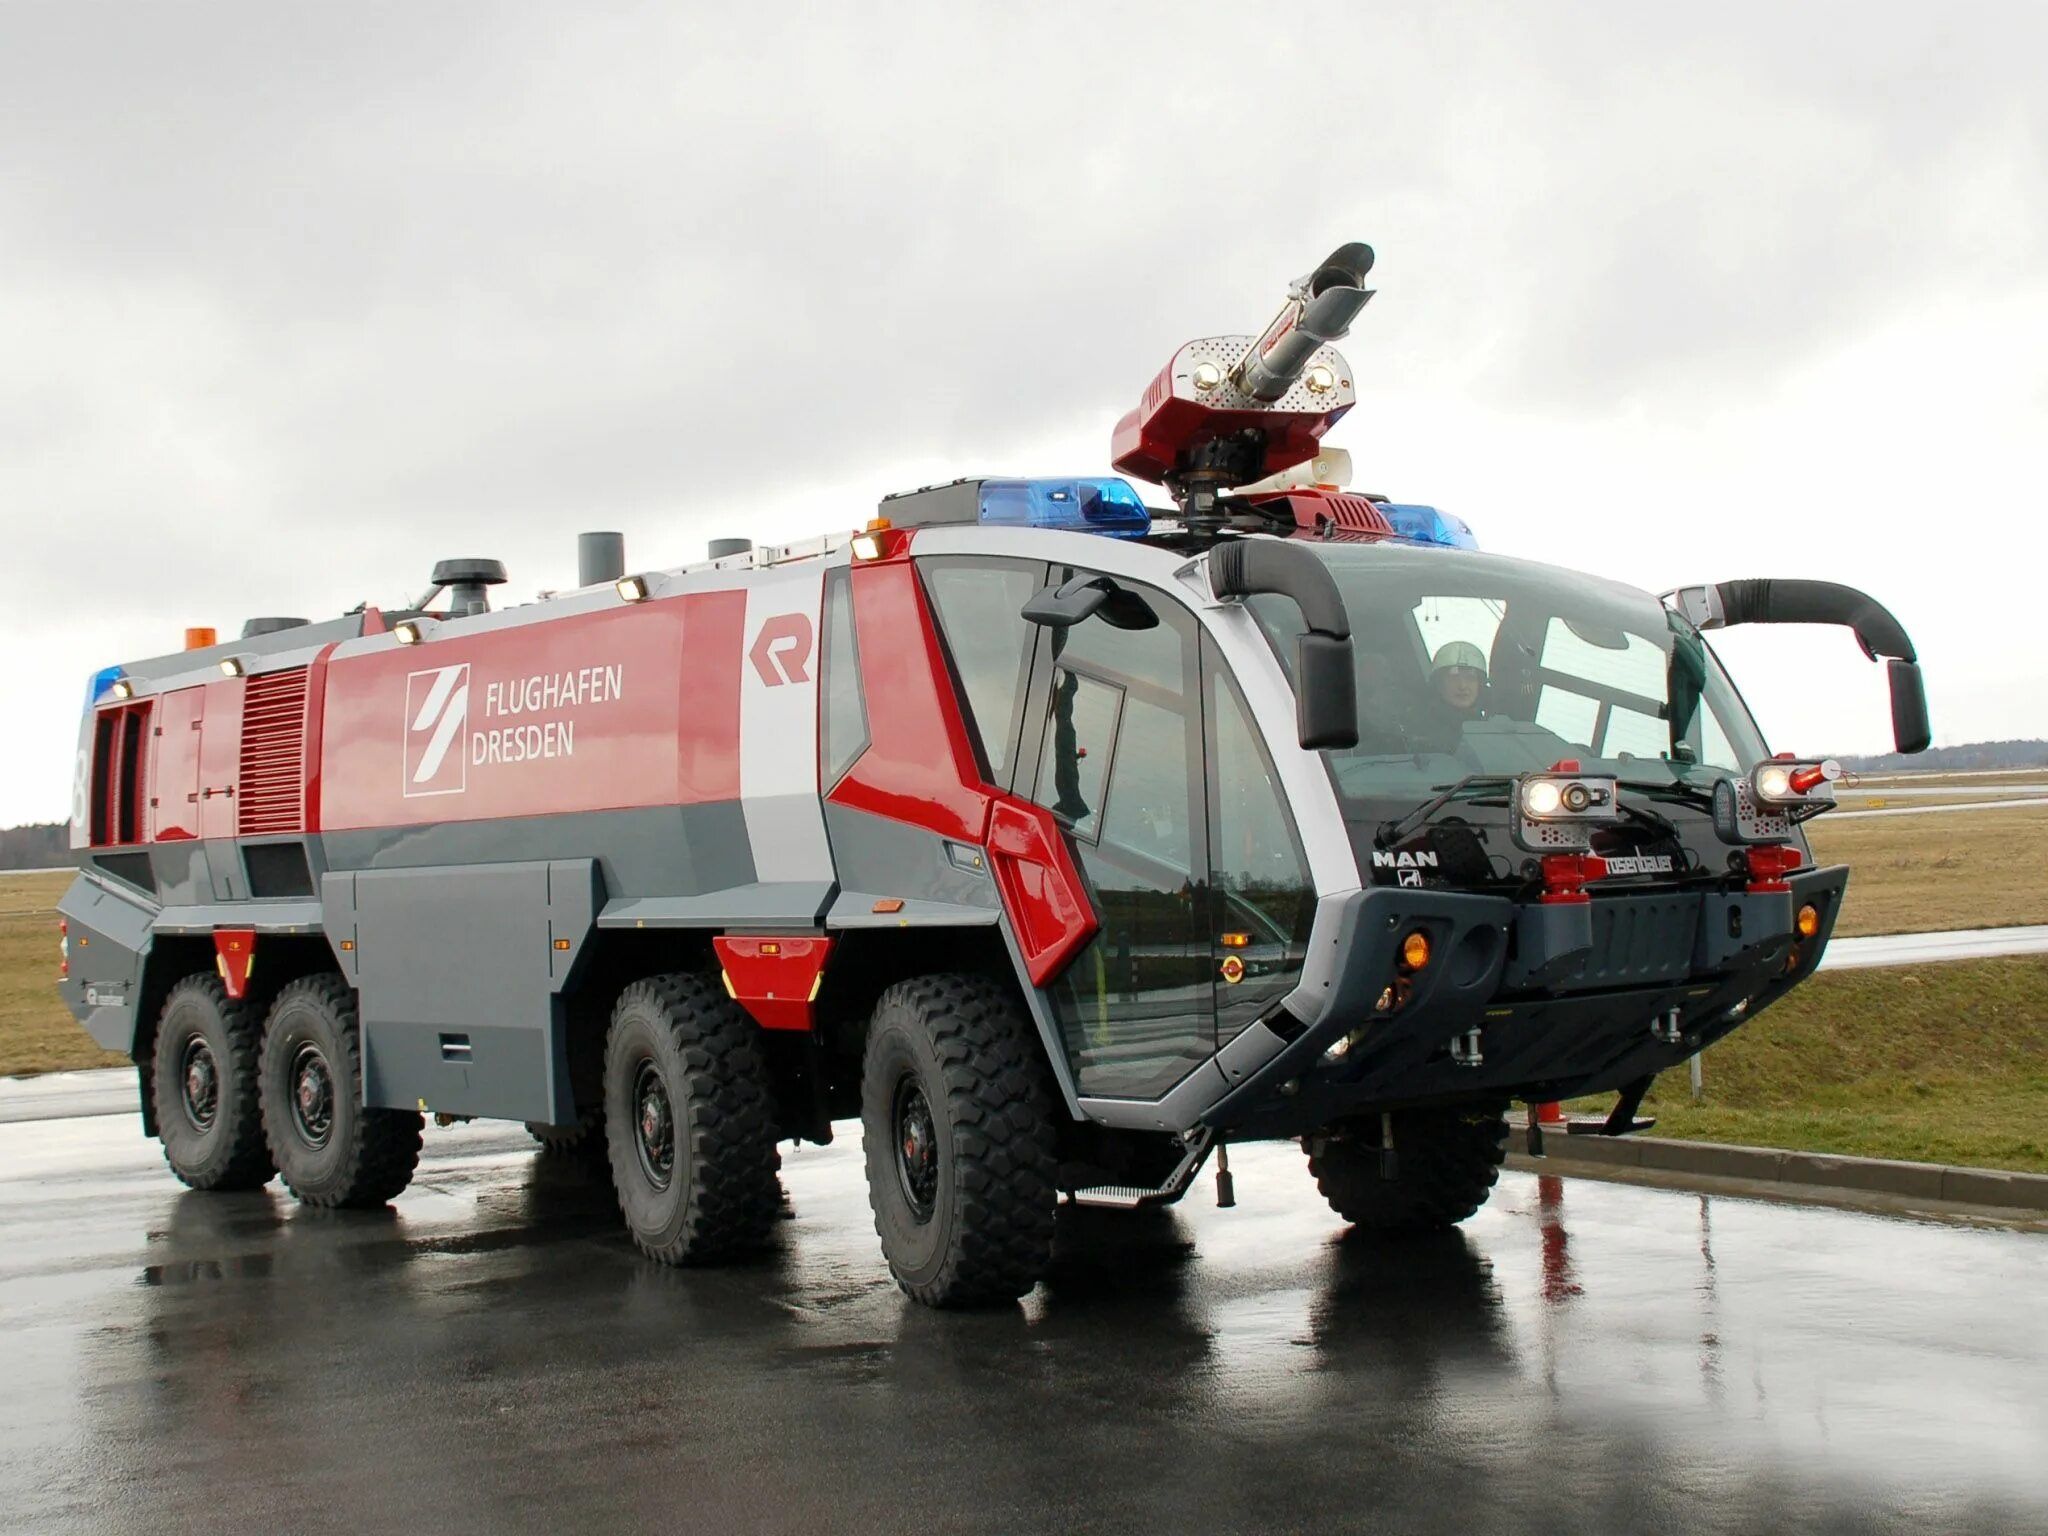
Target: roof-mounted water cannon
(1230, 410)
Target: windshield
(1472, 664)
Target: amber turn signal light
(1809, 921)
(1415, 951)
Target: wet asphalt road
(490, 1354)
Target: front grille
(1640, 939)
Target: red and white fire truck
(1059, 839)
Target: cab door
(1113, 746)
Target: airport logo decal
(436, 710)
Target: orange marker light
(1236, 940)
(1809, 921)
(1415, 951)
(889, 904)
(561, 943)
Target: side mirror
(1910, 730)
(1824, 602)
(1064, 606)
(1325, 694)
(1082, 597)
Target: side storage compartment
(461, 975)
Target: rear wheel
(687, 1122)
(585, 1139)
(1444, 1165)
(203, 1079)
(956, 1122)
(330, 1148)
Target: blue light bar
(1426, 525)
(1108, 506)
(102, 680)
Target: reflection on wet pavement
(490, 1353)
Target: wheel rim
(199, 1082)
(312, 1096)
(917, 1149)
(654, 1122)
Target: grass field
(1944, 1063)
(1914, 874)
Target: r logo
(436, 710)
(782, 649)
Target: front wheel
(687, 1122)
(1443, 1167)
(956, 1123)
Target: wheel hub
(312, 1096)
(201, 1083)
(656, 1144)
(917, 1149)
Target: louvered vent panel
(272, 794)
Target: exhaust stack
(600, 558)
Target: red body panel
(775, 978)
(234, 952)
(920, 768)
(635, 706)
(220, 757)
(174, 767)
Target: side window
(1264, 900)
(979, 604)
(846, 719)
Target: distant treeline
(46, 845)
(1978, 756)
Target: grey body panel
(184, 874)
(775, 903)
(109, 940)
(890, 859)
(263, 916)
(460, 982)
(684, 850)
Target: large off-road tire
(956, 1120)
(688, 1122)
(585, 1139)
(203, 1079)
(1445, 1165)
(330, 1149)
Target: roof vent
(270, 625)
(465, 581)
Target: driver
(1457, 679)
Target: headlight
(1555, 812)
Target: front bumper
(1539, 1006)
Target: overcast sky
(295, 300)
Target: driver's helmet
(1459, 653)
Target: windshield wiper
(1670, 789)
(1391, 832)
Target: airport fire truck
(1060, 839)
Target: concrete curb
(1771, 1165)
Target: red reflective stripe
(773, 977)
